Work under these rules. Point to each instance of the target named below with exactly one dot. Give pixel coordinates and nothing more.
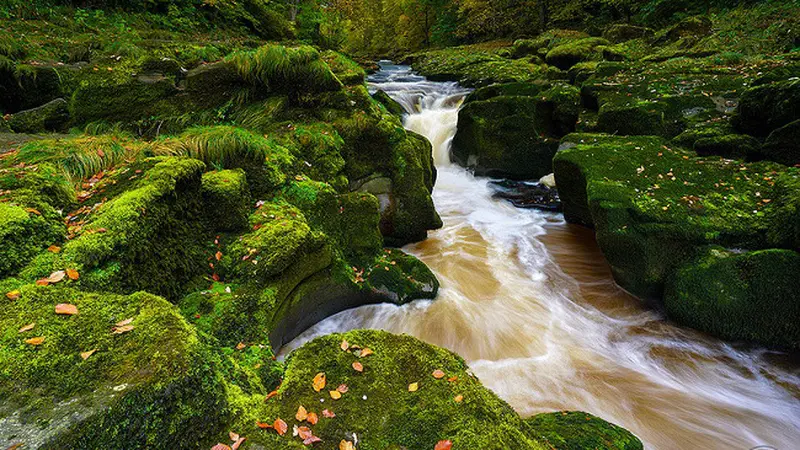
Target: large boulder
(624, 32)
(766, 108)
(400, 383)
(512, 130)
(122, 372)
(735, 146)
(567, 55)
(226, 199)
(739, 296)
(52, 116)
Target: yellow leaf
(366, 352)
(413, 387)
(27, 327)
(73, 274)
(346, 445)
(336, 395)
(13, 295)
(459, 398)
(302, 414)
(66, 309)
(35, 340)
(319, 381)
(54, 249)
(122, 329)
(86, 355)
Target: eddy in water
(529, 302)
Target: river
(529, 302)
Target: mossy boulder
(455, 407)
(24, 233)
(636, 118)
(543, 43)
(567, 55)
(391, 105)
(624, 32)
(574, 430)
(766, 108)
(783, 144)
(749, 296)
(29, 86)
(126, 101)
(736, 146)
(146, 383)
(51, 116)
(652, 205)
(512, 130)
(226, 199)
(690, 27)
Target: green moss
(345, 69)
(401, 278)
(51, 116)
(739, 296)
(571, 430)
(154, 385)
(125, 102)
(389, 103)
(145, 233)
(226, 199)
(763, 109)
(652, 205)
(567, 55)
(781, 145)
(317, 150)
(736, 146)
(24, 233)
(541, 44)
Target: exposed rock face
(766, 108)
(51, 116)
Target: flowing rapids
(529, 302)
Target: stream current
(528, 301)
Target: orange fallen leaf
(218, 256)
(302, 414)
(343, 388)
(344, 345)
(336, 395)
(438, 374)
(13, 295)
(319, 381)
(263, 425)
(33, 211)
(303, 432)
(122, 329)
(122, 323)
(311, 439)
(66, 309)
(56, 276)
(234, 436)
(452, 379)
(72, 274)
(312, 418)
(459, 398)
(27, 327)
(238, 443)
(443, 445)
(271, 394)
(54, 249)
(15, 446)
(240, 346)
(35, 340)
(42, 282)
(280, 426)
(365, 352)
(358, 367)
(86, 355)
(413, 387)
(328, 414)
(221, 446)
(346, 445)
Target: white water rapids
(528, 301)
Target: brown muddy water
(529, 302)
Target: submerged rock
(526, 194)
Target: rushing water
(529, 302)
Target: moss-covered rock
(783, 144)
(93, 384)
(736, 146)
(543, 43)
(739, 296)
(123, 102)
(226, 199)
(391, 105)
(51, 116)
(624, 32)
(24, 233)
(763, 109)
(26, 86)
(455, 407)
(567, 55)
(573, 430)
(512, 130)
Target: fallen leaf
(54, 249)
(27, 327)
(336, 395)
(234, 437)
(56, 276)
(302, 414)
(346, 445)
(35, 340)
(240, 346)
(311, 439)
(66, 309)
(122, 323)
(218, 255)
(365, 352)
(358, 367)
(312, 418)
(443, 445)
(33, 211)
(328, 414)
(221, 446)
(42, 282)
(452, 379)
(263, 425)
(319, 381)
(122, 329)
(86, 355)
(238, 443)
(438, 374)
(303, 432)
(280, 426)
(72, 274)
(15, 446)
(13, 295)
(413, 387)
(343, 388)
(344, 345)
(271, 394)
(459, 398)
